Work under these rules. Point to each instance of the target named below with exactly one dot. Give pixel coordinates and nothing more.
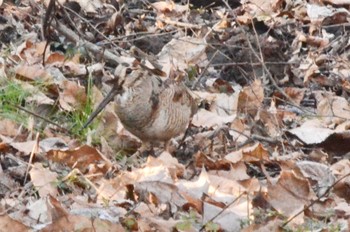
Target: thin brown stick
(223, 210)
(313, 202)
(41, 117)
(204, 71)
(34, 151)
(93, 48)
(268, 73)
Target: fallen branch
(109, 56)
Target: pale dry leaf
(181, 53)
(239, 131)
(24, 147)
(80, 223)
(229, 220)
(175, 168)
(111, 213)
(3, 75)
(149, 173)
(334, 108)
(225, 105)
(338, 2)
(157, 224)
(223, 189)
(205, 118)
(318, 13)
(111, 191)
(312, 132)
(36, 96)
(234, 156)
(37, 210)
(44, 180)
(238, 172)
(342, 209)
(341, 167)
(53, 143)
(163, 6)
(195, 188)
(158, 192)
(90, 6)
(320, 173)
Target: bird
(153, 108)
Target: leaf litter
(267, 149)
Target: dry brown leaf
(44, 180)
(33, 73)
(169, 8)
(255, 153)
(8, 128)
(72, 97)
(251, 98)
(290, 194)
(202, 160)
(55, 57)
(85, 158)
(8, 224)
(296, 94)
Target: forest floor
(267, 150)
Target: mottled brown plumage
(153, 108)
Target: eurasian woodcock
(152, 108)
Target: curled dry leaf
(85, 158)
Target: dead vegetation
(267, 150)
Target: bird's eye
(128, 71)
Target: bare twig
(318, 198)
(39, 116)
(180, 24)
(93, 48)
(268, 73)
(223, 210)
(204, 71)
(34, 151)
(88, 23)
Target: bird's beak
(101, 106)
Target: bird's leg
(167, 146)
(146, 149)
